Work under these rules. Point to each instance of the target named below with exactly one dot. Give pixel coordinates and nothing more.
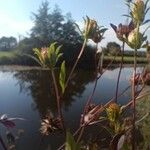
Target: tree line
(51, 25)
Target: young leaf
(70, 143)
(62, 76)
(58, 49)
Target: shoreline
(23, 67)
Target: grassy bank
(14, 58)
(127, 59)
(7, 58)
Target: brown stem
(76, 62)
(133, 100)
(134, 88)
(57, 98)
(80, 135)
(102, 109)
(121, 64)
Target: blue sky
(16, 14)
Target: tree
(113, 48)
(41, 24)
(8, 43)
(70, 33)
(53, 26)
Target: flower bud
(89, 28)
(122, 31)
(44, 53)
(135, 39)
(138, 11)
(113, 112)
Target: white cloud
(13, 27)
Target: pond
(28, 94)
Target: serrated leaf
(62, 76)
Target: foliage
(113, 48)
(7, 43)
(53, 26)
(48, 56)
(70, 143)
(92, 30)
(62, 76)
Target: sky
(16, 15)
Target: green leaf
(70, 143)
(58, 49)
(51, 50)
(58, 56)
(37, 52)
(34, 58)
(62, 76)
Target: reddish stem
(121, 64)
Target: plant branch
(121, 65)
(76, 62)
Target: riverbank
(13, 58)
(127, 59)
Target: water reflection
(36, 91)
(39, 85)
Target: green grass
(12, 57)
(7, 54)
(126, 59)
(8, 58)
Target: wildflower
(122, 31)
(49, 125)
(135, 39)
(44, 52)
(89, 27)
(92, 30)
(8, 122)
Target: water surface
(29, 94)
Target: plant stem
(121, 64)
(3, 144)
(134, 89)
(133, 100)
(57, 98)
(76, 62)
(56, 91)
